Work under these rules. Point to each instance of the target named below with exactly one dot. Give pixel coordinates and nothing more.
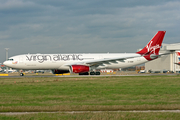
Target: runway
(87, 75)
(34, 76)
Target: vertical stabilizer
(153, 47)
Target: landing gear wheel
(21, 74)
(86, 73)
(98, 73)
(92, 73)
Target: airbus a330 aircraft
(85, 63)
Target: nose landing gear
(21, 74)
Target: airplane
(85, 64)
(10, 71)
(178, 58)
(177, 63)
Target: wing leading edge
(103, 61)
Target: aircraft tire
(86, 73)
(92, 73)
(21, 74)
(98, 73)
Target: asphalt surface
(31, 76)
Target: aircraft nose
(6, 63)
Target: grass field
(95, 116)
(90, 94)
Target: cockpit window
(10, 59)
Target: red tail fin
(153, 46)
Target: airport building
(166, 62)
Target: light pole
(6, 58)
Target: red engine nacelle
(80, 68)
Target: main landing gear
(95, 73)
(91, 73)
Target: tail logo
(152, 48)
(151, 51)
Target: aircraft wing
(103, 61)
(108, 61)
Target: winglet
(153, 46)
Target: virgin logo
(152, 48)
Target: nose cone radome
(6, 63)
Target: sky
(85, 26)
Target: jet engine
(80, 68)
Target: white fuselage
(59, 61)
